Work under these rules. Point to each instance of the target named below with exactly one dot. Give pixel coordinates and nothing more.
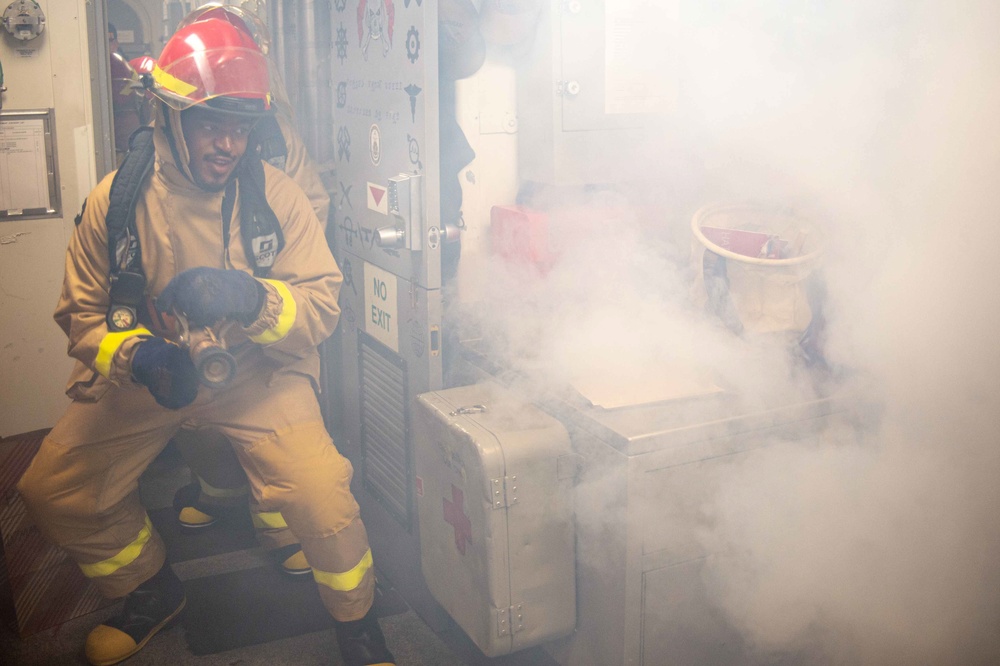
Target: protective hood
(172, 155)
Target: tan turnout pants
(82, 487)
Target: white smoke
(884, 549)
(876, 545)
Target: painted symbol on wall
(349, 315)
(375, 144)
(345, 196)
(348, 271)
(454, 515)
(376, 19)
(367, 237)
(339, 5)
(343, 143)
(413, 90)
(414, 152)
(341, 43)
(413, 44)
(406, 3)
(342, 94)
(350, 231)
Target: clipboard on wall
(29, 173)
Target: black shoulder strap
(259, 226)
(123, 242)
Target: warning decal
(377, 201)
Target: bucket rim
(704, 211)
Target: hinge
(504, 492)
(510, 620)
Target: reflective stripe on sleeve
(125, 557)
(347, 581)
(110, 344)
(285, 320)
(268, 520)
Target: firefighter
(220, 486)
(208, 218)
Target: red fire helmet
(124, 81)
(143, 64)
(212, 62)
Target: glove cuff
(267, 317)
(121, 363)
(249, 318)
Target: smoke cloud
(872, 545)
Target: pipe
(314, 86)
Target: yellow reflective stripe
(269, 520)
(347, 581)
(285, 319)
(126, 556)
(212, 491)
(172, 83)
(109, 345)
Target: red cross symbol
(455, 516)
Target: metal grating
(386, 467)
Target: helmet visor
(232, 79)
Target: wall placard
(29, 173)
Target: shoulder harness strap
(128, 283)
(123, 242)
(259, 226)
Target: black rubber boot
(362, 643)
(149, 608)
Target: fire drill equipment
(213, 62)
(202, 298)
(215, 365)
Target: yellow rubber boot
(152, 606)
(292, 560)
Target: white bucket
(752, 264)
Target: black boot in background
(362, 643)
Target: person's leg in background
(220, 488)
(293, 466)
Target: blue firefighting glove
(205, 295)
(167, 371)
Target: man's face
(216, 142)
(112, 42)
